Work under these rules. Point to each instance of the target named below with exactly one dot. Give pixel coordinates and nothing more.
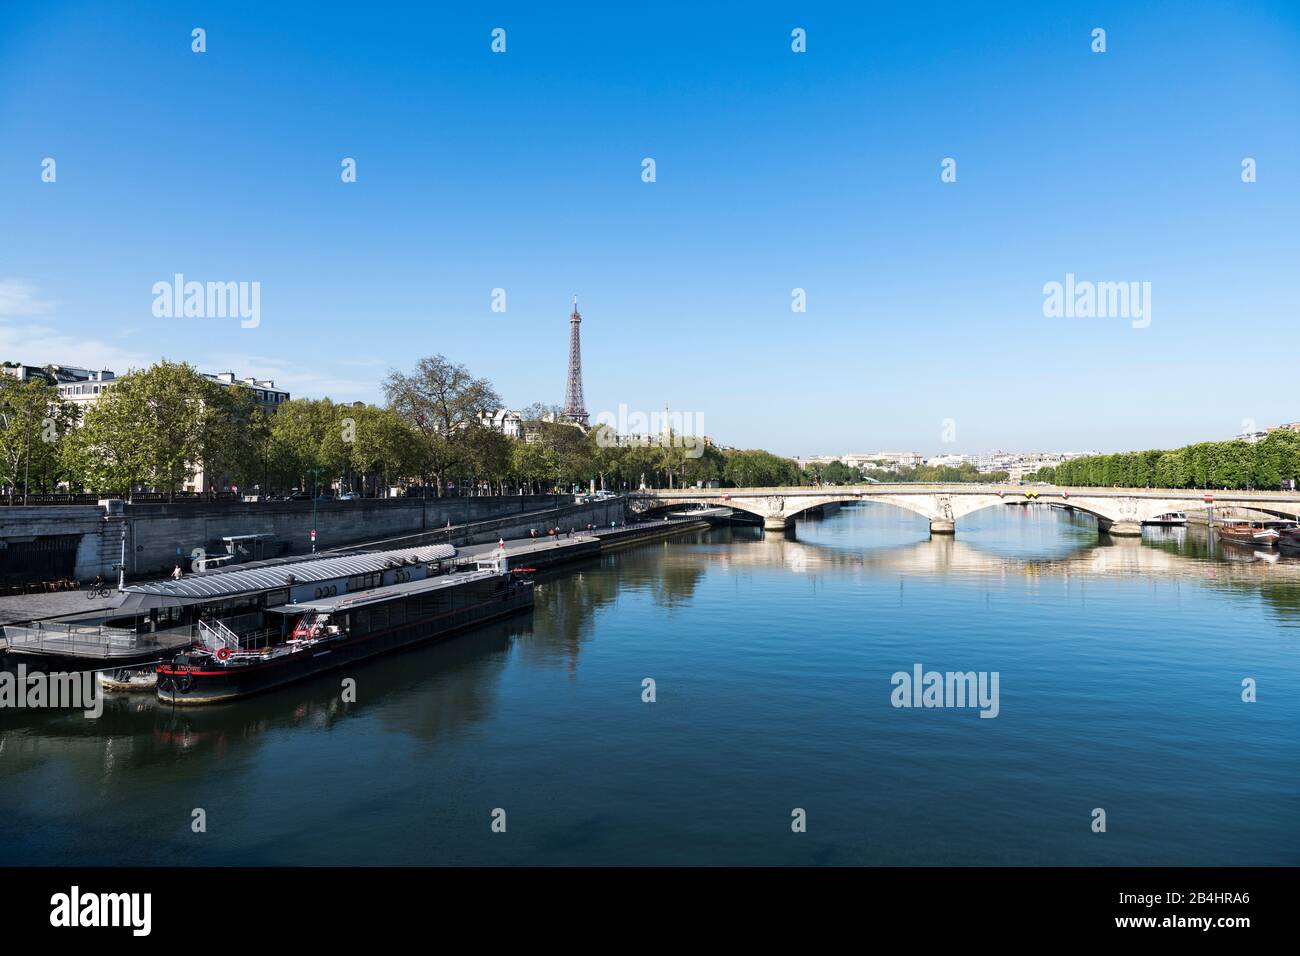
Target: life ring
(223, 653)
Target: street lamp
(315, 493)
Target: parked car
(299, 496)
(349, 496)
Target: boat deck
(90, 642)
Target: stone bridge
(1119, 511)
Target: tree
(531, 464)
(488, 454)
(236, 431)
(758, 469)
(605, 453)
(570, 451)
(441, 400)
(542, 412)
(297, 435)
(148, 429)
(708, 466)
(33, 423)
(838, 473)
(384, 446)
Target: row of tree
(158, 428)
(838, 473)
(1221, 464)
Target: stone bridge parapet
(1119, 511)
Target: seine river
(1120, 680)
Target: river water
(1120, 669)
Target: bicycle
(97, 589)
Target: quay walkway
(544, 551)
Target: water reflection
(542, 711)
(443, 688)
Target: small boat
(123, 680)
(1252, 534)
(1173, 519)
(1288, 540)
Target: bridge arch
(941, 508)
(1118, 511)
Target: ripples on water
(1121, 668)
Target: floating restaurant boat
(158, 619)
(1253, 534)
(293, 641)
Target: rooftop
(234, 581)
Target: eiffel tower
(575, 408)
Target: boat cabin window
(364, 582)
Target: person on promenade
(176, 572)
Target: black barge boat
(294, 641)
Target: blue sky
(775, 170)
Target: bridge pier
(942, 526)
(775, 524)
(1122, 529)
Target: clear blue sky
(775, 170)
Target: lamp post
(315, 493)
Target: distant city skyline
(775, 171)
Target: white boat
(1172, 519)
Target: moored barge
(291, 642)
(1251, 534)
